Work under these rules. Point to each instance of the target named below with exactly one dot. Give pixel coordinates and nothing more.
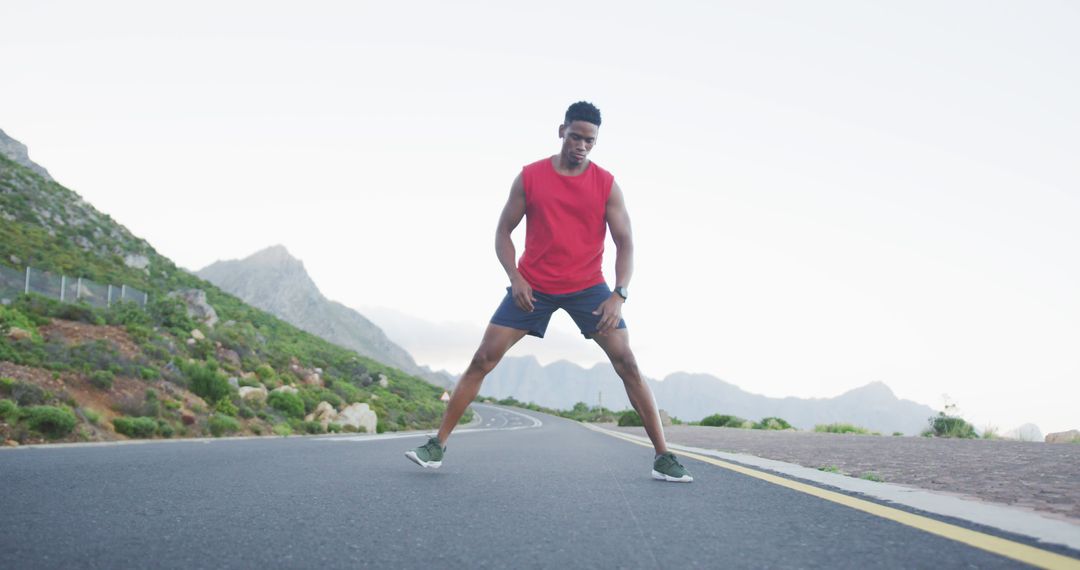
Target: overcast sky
(822, 194)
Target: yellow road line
(996, 545)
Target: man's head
(579, 131)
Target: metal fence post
(108, 297)
(145, 299)
(26, 287)
(123, 292)
(78, 289)
(63, 285)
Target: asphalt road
(510, 494)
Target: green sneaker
(667, 468)
(427, 455)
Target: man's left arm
(618, 221)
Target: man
(569, 203)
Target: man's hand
(523, 294)
(610, 312)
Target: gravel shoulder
(1033, 475)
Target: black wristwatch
(621, 291)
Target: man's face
(578, 139)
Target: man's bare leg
(616, 345)
(497, 340)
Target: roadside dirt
(1034, 475)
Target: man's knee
(625, 365)
(484, 361)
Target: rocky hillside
(276, 282)
(694, 396)
(195, 361)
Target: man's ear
(562, 131)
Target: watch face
(621, 291)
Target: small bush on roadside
(630, 418)
(8, 409)
(102, 379)
(333, 427)
(723, 420)
(314, 427)
(165, 429)
(221, 425)
(842, 428)
(282, 430)
(52, 421)
(26, 394)
(245, 412)
(137, 427)
(290, 404)
(943, 425)
(772, 423)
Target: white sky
(822, 194)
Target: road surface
(517, 490)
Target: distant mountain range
(694, 396)
(276, 282)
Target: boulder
(197, 334)
(254, 393)
(287, 389)
(1071, 436)
(187, 419)
(248, 375)
(313, 379)
(234, 381)
(324, 414)
(665, 419)
(358, 416)
(383, 381)
(230, 356)
(15, 333)
(136, 261)
(197, 307)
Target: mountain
(694, 396)
(17, 152)
(276, 282)
(192, 361)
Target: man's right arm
(511, 216)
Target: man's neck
(564, 166)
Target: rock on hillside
(275, 281)
(694, 396)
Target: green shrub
(147, 373)
(137, 427)
(221, 425)
(772, 423)
(282, 430)
(290, 404)
(265, 372)
(723, 420)
(313, 427)
(842, 428)
(245, 412)
(165, 429)
(92, 416)
(630, 418)
(52, 421)
(943, 425)
(333, 427)
(205, 380)
(225, 406)
(102, 379)
(8, 409)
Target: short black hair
(582, 111)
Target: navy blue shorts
(580, 305)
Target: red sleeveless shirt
(565, 227)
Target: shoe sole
(661, 477)
(425, 464)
